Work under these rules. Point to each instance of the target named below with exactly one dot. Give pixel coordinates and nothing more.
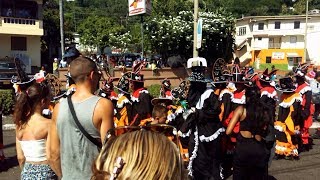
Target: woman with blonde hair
(141, 154)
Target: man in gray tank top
(71, 153)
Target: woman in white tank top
(32, 131)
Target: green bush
(7, 101)
(154, 90)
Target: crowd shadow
(8, 163)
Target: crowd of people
(233, 124)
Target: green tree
(174, 35)
(95, 31)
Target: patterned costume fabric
(202, 121)
(141, 105)
(307, 111)
(37, 171)
(287, 123)
(123, 108)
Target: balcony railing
(11, 20)
(274, 45)
(21, 26)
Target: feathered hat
(286, 85)
(219, 72)
(166, 83)
(301, 70)
(198, 66)
(123, 83)
(238, 75)
(135, 75)
(266, 76)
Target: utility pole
(61, 27)
(142, 37)
(306, 34)
(195, 28)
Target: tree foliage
(95, 31)
(169, 29)
(174, 35)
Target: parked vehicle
(7, 70)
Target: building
(21, 28)
(277, 40)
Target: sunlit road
(307, 168)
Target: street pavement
(307, 168)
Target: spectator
(159, 116)
(139, 155)
(55, 66)
(32, 131)
(9, 13)
(72, 151)
(63, 64)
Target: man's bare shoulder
(103, 104)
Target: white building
(277, 40)
(21, 28)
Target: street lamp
(306, 33)
(61, 27)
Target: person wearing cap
(55, 65)
(140, 97)
(287, 124)
(304, 89)
(202, 121)
(71, 54)
(123, 107)
(165, 91)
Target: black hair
(256, 110)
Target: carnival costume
(141, 99)
(307, 107)
(287, 125)
(202, 118)
(165, 91)
(123, 107)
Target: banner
(278, 55)
(199, 33)
(137, 7)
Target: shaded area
(8, 163)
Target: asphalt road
(307, 168)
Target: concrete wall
(175, 75)
(32, 56)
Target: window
(297, 25)
(277, 25)
(18, 43)
(260, 26)
(293, 39)
(259, 38)
(295, 60)
(242, 31)
(268, 60)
